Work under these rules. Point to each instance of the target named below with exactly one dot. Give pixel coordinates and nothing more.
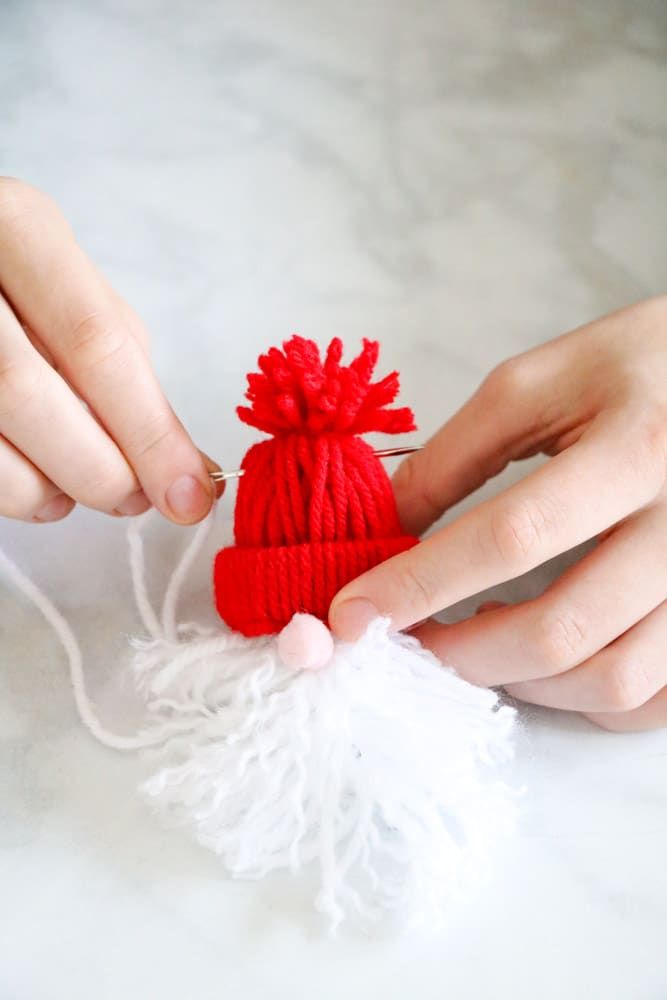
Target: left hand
(596, 640)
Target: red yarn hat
(315, 507)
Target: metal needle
(222, 477)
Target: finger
(220, 485)
(472, 447)
(127, 313)
(557, 507)
(46, 423)
(530, 403)
(618, 680)
(588, 607)
(27, 494)
(41, 348)
(506, 418)
(652, 715)
(80, 323)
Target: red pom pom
(298, 392)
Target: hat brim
(259, 590)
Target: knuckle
(645, 423)
(506, 380)
(611, 722)
(14, 195)
(18, 200)
(626, 685)
(133, 323)
(108, 486)
(517, 531)
(98, 340)
(654, 309)
(142, 336)
(416, 590)
(404, 476)
(652, 451)
(645, 462)
(559, 640)
(410, 481)
(20, 383)
(149, 435)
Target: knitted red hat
(315, 507)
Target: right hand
(67, 339)
(595, 400)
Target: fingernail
(188, 499)
(422, 621)
(135, 504)
(350, 619)
(490, 606)
(55, 509)
(212, 466)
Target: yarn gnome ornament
(370, 760)
(369, 765)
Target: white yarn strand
(61, 627)
(135, 544)
(178, 577)
(84, 704)
(379, 769)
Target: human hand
(596, 640)
(67, 338)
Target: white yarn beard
(378, 769)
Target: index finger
(614, 469)
(56, 291)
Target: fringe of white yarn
(379, 769)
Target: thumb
(406, 589)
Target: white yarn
(378, 769)
(157, 630)
(61, 627)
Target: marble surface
(462, 180)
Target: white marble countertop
(461, 180)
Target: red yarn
(315, 506)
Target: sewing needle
(222, 477)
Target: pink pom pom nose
(305, 643)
